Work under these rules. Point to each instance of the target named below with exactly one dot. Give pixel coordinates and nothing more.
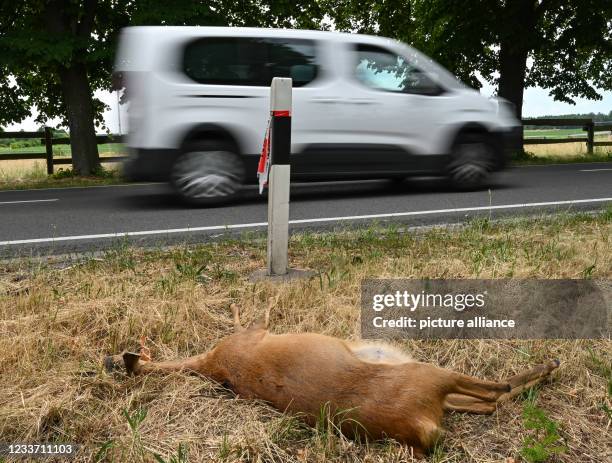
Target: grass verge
(28, 175)
(530, 158)
(57, 321)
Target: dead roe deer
(378, 390)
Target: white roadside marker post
(280, 172)
(274, 171)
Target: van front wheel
(207, 174)
(472, 161)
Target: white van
(363, 107)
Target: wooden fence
(47, 140)
(587, 125)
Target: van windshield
(437, 71)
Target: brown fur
(377, 390)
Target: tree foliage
(51, 47)
(32, 54)
(48, 45)
(564, 46)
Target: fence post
(590, 128)
(280, 171)
(49, 149)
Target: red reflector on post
(264, 155)
(281, 113)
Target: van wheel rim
(472, 164)
(209, 174)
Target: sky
(537, 102)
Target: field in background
(30, 173)
(559, 133)
(118, 148)
(64, 150)
(567, 151)
(58, 320)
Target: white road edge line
(300, 221)
(29, 201)
(593, 170)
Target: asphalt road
(57, 221)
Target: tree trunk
(512, 69)
(61, 19)
(78, 100)
(517, 38)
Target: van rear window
(249, 61)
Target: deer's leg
(478, 388)
(529, 379)
(134, 365)
(236, 314)
(139, 363)
(518, 383)
(467, 404)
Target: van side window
(249, 60)
(385, 70)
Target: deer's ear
(130, 359)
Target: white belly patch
(379, 353)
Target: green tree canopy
(564, 46)
(56, 53)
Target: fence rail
(587, 125)
(47, 141)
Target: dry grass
(568, 150)
(58, 320)
(22, 170)
(32, 173)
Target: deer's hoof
(114, 363)
(130, 360)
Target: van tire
(207, 173)
(472, 162)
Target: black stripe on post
(280, 137)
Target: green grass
(544, 439)
(558, 133)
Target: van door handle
(326, 100)
(361, 101)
